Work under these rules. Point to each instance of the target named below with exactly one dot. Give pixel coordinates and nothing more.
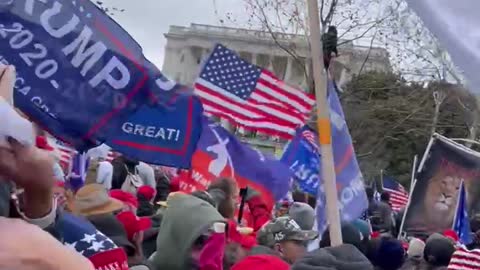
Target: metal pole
(414, 169)
(425, 155)
(406, 211)
(412, 185)
(381, 179)
(323, 125)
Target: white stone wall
(187, 47)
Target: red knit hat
(147, 191)
(264, 262)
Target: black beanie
(438, 252)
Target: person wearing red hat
(145, 196)
(451, 234)
(264, 262)
(135, 228)
(130, 202)
(134, 225)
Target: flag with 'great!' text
(82, 77)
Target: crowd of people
(127, 215)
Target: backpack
(132, 182)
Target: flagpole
(405, 213)
(412, 177)
(381, 178)
(412, 186)
(425, 155)
(323, 126)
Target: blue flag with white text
(461, 224)
(81, 76)
(301, 156)
(157, 135)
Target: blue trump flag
(81, 76)
(302, 154)
(303, 158)
(461, 223)
(163, 135)
(221, 154)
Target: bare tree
(416, 53)
(353, 19)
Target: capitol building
(188, 47)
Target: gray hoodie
(185, 219)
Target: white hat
(415, 248)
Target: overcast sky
(148, 20)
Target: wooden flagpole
(323, 125)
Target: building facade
(188, 47)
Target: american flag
(67, 152)
(398, 195)
(249, 96)
(311, 138)
(464, 259)
(81, 236)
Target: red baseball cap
(451, 234)
(147, 191)
(124, 197)
(133, 224)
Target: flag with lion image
(435, 195)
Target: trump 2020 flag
(351, 191)
(221, 154)
(303, 158)
(456, 25)
(461, 223)
(82, 77)
(164, 135)
(78, 71)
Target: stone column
(288, 71)
(270, 63)
(254, 58)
